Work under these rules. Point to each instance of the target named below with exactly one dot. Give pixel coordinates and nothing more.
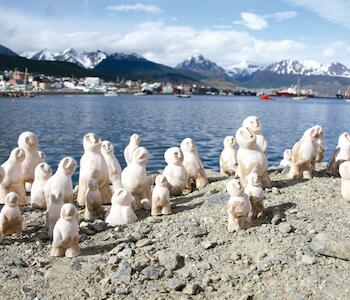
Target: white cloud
(137, 7)
(252, 21)
(336, 11)
(281, 16)
(335, 50)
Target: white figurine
(319, 141)
(10, 216)
(134, 143)
(304, 154)
(340, 154)
(287, 158)
(135, 180)
(121, 211)
(62, 180)
(66, 233)
(93, 165)
(54, 206)
(193, 165)
(13, 180)
(228, 157)
(28, 141)
(344, 171)
(175, 171)
(41, 175)
(256, 196)
(93, 205)
(250, 159)
(238, 207)
(160, 197)
(254, 124)
(114, 168)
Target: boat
(265, 97)
(184, 96)
(140, 94)
(111, 94)
(299, 96)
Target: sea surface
(163, 122)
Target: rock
(208, 244)
(170, 259)
(199, 231)
(192, 289)
(275, 190)
(203, 265)
(127, 252)
(152, 272)
(326, 245)
(276, 219)
(155, 287)
(143, 242)
(98, 225)
(141, 262)
(121, 291)
(308, 260)
(15, 262)
(118, 248)
(122, 274)
(145, 228)
(175, 284)
(285, 227)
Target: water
(164, 121)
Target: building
(92, 82)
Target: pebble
(203, 265)
(285, 227)
(175, 284)
(276, 219)
(98, 225)
(170, 259)
(192, 289)
(324, 244)
(143, 242)
(152, 272)
(308, 260)
(123, 273)
(208, 244)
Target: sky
(168, 31)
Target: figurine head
(68, 165)
(43, 170)
(56, 196)
(140, 156)
(42, 155)
(2, 174)
(229, 142)
(11, 199)
(28, 140)
(17, 155)
(122, 197)
(245, 137)
(92, 142)
(107, 147)
(253, 123)
(287, 154)
(344, 140)
(188, 145)
(135, 139)
(68, 212)
(253, 179)
(173, 156)
(315, 132)
(161, 181)
(234, 187)
(92, 184)
(344, 170)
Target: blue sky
(167, 31)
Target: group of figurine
(102, 180)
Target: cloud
(281, 16)
(334, 50)
(137, 7)
(335, 11)
(252, 21)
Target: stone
(228, 157)
(98, 225)
(193, 165)
(208, 244)
(308, 260)
(192, 289)
(123, 273)
(170, 259)
(324, 244)
(276, 219)
(199, 232)
(155, 287)
(160, 197)
(285, 227)
(127, 252)
(10, 216)
(143, 242)
(141, 262)
(152, 272)
(203, 265)
(275, 190)
(37, 195)
(175, 284)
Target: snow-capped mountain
(197, 63)
(126, 56)
(84, 59)
(244, 68)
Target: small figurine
(62, 180)
(134, 143)
(66, 233)
(238, 207)
(13, 180)
(135, 180)
(121, 211)
(93, 205)
(254, 124)
(160, 197)
(10, 216)
(340, 154)
(28, 141)
(256, 196)
(41, 175)
(175, 171)
(344, 171)
(250, 159)
(304, 154)
(193, 165)
(93, 165)
(287, 158)
(228, 157)
(319, 139)
(53, 210)
(114, 168)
